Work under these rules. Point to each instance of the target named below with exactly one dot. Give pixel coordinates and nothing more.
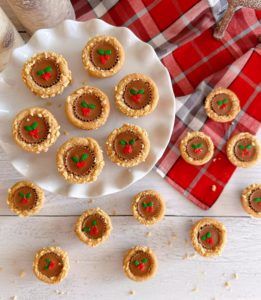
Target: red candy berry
(86, 111)
(25, 201)
(149, 209)
(210, 240)
(141, 266)
(197, 150)
(34, 133)
(94, 230)
(46, 76)
(223, 106)
(136, 98)
(127, 149)
(52, 265)
(80, 164)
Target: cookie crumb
(235, 276)
(189, 256)
(60, 105)
(22, 274)
(214, 188)
(195, 290)
(58, 292)
(148, 234)
(49, 103)
(227, 284)
(65, 132)
(131, 292)
(14, 298)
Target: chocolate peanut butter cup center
(245, 150)
(79, 160)
(209, 236)
(94, 226)
(255, 200)
(197, 148)
(221, 104)
(33, 129)
(149, 207)
(104, 55)
(140, 264)
(50, 264)
(137, 94)
(24, 198)
(128, 145)
(87, 107)
(45, 72)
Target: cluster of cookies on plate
(80, 160)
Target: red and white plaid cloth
(181, 33)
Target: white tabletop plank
(96, 273)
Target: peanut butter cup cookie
(140, 263)
(35, 129)
(87, 108)
(25, 198)
(148, 207)
(243, 150)
(93, 227)
(222, 105)
(80, 160)
(51, 265)
(128, 145)
(46, 74)
(208, 237)
(103, 56)
(251, 200)
(136, 95)
(196, 148)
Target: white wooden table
(97, 273)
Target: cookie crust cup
(251, 200)
(87, 108)
(46, 74)
(136, 95)
(196, 148)
(208, 237)
(243, 150)
(80, 160)
(148, 207)
(93, 227)
(103, 56)
(25, 198)
(128, 145)
(140, 263)
(51, 265)
(35, 129)
(222, 105)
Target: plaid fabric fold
(181, 34)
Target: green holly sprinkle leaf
(220, 102)
(249, 146)
(86, 229)
(84, 157)
(136, 263)
(75, 159)
(94, 223)
(194, 146)
(100, 51)
(133, 92)
(241, 147)
(48, 69)
(225, 100)
(150, 204)
(256, 200)
(140, 92)
(29, 195)
(40, 72)
(84, 104)
(122, 142)
(108, 52)
(34, 125)
(131, 142)
(144, 260)
(144, 204)
(199, 145)
(208, 235)
(204, 237)
(48, 260)
(91, 106)
(28, 128)
(21, 195)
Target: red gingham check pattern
(181, 34)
